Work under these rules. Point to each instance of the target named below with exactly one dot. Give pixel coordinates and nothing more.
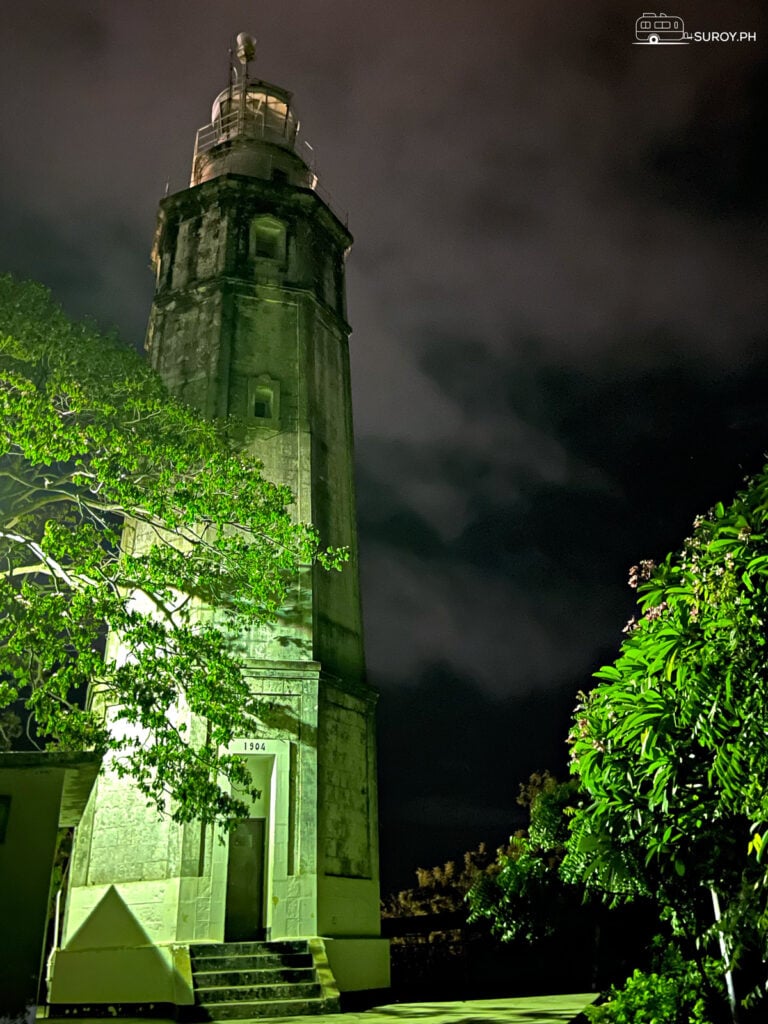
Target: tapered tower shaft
(248, 324)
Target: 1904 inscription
(251, 746)
(256, 745)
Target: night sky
(558, 293)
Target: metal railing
(252, 124)
(248, 124)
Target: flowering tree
(91, 445)
(671, 747)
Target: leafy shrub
(673, 994)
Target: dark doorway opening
(244, 920)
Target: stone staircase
(243, 980)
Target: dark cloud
(76, 32)
(710, 164)
(454, 759)
(405, 530)
(525, 552)
(90, 264)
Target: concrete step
(250, 980)
(267, 1008)
(235, 993)
(244, 962)
(248, 948)
(264, 976)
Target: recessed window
(5, 810)
(329, 282)
(262, 407)
(267, 239)
(185, 256)
(263, 400)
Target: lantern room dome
(253, 131)
(260, 111)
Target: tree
(433, 949)
(441, 889)
(93, 449)
(522, 895)
(671, 747)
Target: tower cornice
(230, 189)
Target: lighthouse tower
(249, 322)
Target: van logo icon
(661, 30)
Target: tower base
(359, 964)
(150, 979)
(145, 975)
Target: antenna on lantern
(245, 49)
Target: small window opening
(267, 238)
(262, 407)
(267, 245)
(263, 403)
(5, 811)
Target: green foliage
(671, 748)
(653, 999)
(440, 890)
(517, 901)
(672, 994)
(550, 804)
(93, 449)
(522, 895)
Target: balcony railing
(281, 131)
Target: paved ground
(534, 1010)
